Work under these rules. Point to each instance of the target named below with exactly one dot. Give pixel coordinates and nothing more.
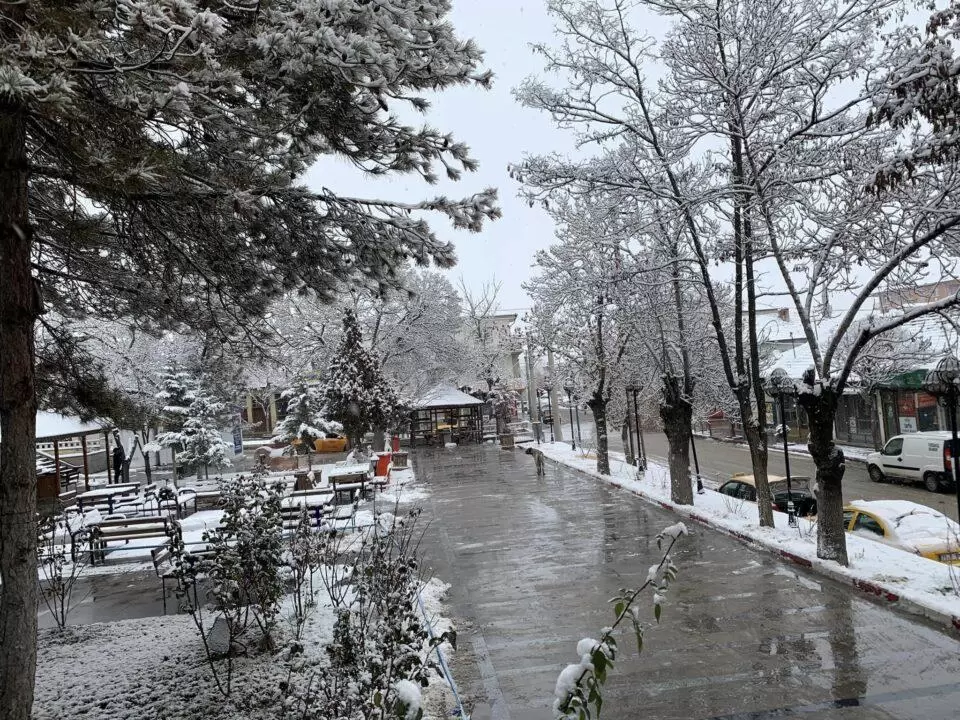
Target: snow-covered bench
(98, 536)
(381, 481)
(317, 502)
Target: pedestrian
(118, 459)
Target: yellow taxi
(906, 525)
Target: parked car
(906, 525)
(332, 443)
(742, 486)
(923, 457)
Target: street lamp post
(633, 457)
(576, 400)
(568, 386)
(641, 449)
(696, 465)
(944, 383)
(548, 386)
(781, 385)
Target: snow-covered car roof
(909, 520)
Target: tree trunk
(598, 406)
(821, 412)
(677, 415)
(19, 309)
(625, 433)
(757, 442)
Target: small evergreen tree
(305, 419)
(191, 419)
(357, 394)
(178, 389)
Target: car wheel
(931, 481)
(875, 474)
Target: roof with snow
(52, 426)
(444, 396)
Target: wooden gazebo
(59, 430)
(443, 414)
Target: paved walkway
(533, 562)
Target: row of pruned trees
(797, 147)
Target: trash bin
(383, 460)
(506, 440)
(395, 445)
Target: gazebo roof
(444, 396)
(54, 426)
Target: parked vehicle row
(915, 528)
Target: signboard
(908, 424)
(237, 440)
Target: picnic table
(349, 478)
(108, 494)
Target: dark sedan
(742, 486)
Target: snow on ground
(155, 668)
(919, 585)
(438, 700)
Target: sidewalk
(534, 560)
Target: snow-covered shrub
(380, 654)
(305, 550)
(579, 689)
(241, 569)
(58, 578)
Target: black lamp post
(634, 389)
(548, 386)
(781, 385)
(568, 386)
(576, 402)
(630, 389)
(944, 382)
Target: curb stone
(888, 596)
(794, 452)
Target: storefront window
(927, 415)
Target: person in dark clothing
(118, 459)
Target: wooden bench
(100, 534)
(381, 481)
(163, 565)
(318, 504)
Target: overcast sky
(498, 132)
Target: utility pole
(554, 381)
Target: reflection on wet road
(743, 635)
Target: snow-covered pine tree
(152, 157)
(357, 394)
(306, 419)
(192, 422)
(178, 390)
(202, 444)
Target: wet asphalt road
(533, 561)
(719, 460)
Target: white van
(923, 457)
